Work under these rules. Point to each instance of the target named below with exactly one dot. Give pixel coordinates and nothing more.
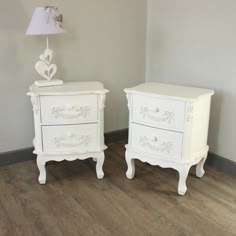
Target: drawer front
(72, 138)
(157, 141)
(69, 109)
(159, 112)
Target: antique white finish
(167, 144)
(74, 138)
(168, 126)
(69, 124)
(69, 109)
(163, 113)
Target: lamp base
(47, 83)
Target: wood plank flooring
(74, 202)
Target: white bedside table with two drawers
(168, 126)
(69, 123)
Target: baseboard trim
(116, 136)
(12, 157)
(220, 163)
(8, 158)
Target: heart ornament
(45, 70)
(47, 56)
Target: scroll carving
(102, 101)
(70, 112)
(71, 140)
(190, 108)
(155, 145)
(128, 96)
(157, 115)
(35, 104)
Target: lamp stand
(46, 69)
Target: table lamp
(45, 21)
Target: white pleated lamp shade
(43, 22)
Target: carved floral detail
(128, 96)
(190, 108)
(70, 112)
(156, 115)
(102, 101)
(35, 104)
(71, 140)
(156, 145)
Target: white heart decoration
(46, 56)
(45, 70)
(52, 70)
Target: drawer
(159, 112)
(163, 143)
(69, 109)
(72, 138)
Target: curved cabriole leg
(42, 170)
(131, 166)
(183, 174)
(199, 168)
(99, 165)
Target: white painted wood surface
(69, 109)
(69, 88)
(72, 138)
(69, 123)
(159, 112)
(165, 143)
(168, 126)
(168, 90)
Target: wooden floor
(74, 202)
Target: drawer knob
(155, 139)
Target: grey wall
(105, 41)
(194, 43)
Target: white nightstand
(69, 123)
(168, 126)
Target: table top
(160, 89)
(68, 88)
